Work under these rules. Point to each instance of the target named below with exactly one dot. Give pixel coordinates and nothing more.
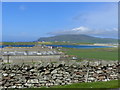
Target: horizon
(28, 21)
(57, 35)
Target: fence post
(86, 80)
(7, 58)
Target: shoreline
(27, 46)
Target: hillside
(78, 38)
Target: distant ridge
(78, 39)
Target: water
(80, 46)
(67, 46)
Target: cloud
(99, 22)
(22, 7)
(80, 29)
(101, 17)
(107, 33)
(115, 29)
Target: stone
(28, 84)
(34, 81)
(47, 72)
(12, 74)
(37, 75)
(46, 78)
(60, 78)
(54, 77)
(33, 70)
(42, 81)
(13, 86)
(75, 81)
(5, 74)
(91, 78)
(99, 71)
(54, 71)
(67, 73)
(68, 79)
(58, 81)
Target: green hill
(78, 38)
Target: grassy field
(44, 43)
(108, 84)
(97, 53)
(19, 43)
(69, 43)
(84, 86)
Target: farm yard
(59, 44)
(93, 68)
(97, 53)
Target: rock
(67, 73)
(42, 81)
(36, 75)
(91, 78)
(13, 86)
(75, 81)
(12, 74)
(47, 72)
(6, 78)
(58, 81)
(101, 77)
(54, 71)
(5, 74)
(33, 81)
(28, 84)
(54, 77)
(46, 78)
(68, 79)
(33, 70)
(60, 78)
(99, 71)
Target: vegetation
(45, 43)
(85, 86)
(78, 38)
(42, 43)
(19, 43)
(96, 53)
(108, 84)
(68, 43)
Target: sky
(0, 22)
(28, 21)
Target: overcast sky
(27, 21)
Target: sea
(66, 46)
(80, 46)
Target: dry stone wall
(51, 74)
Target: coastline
(60, 43)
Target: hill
(78, 38)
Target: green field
(108, 84)
(19, 43)
(45, 43)
(85, 86)
(97, 53)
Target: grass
(19, 43)
(97, 53)
(108, 84)
(7, 63)
(44, 43)
(84, 86)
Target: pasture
(96, 53)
